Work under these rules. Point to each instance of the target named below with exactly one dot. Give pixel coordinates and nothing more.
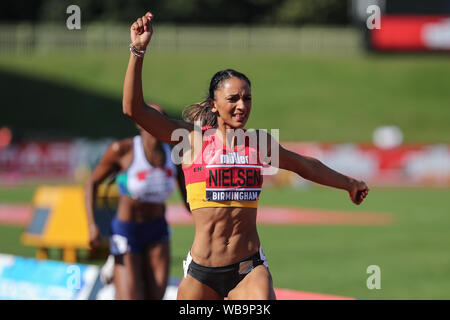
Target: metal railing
(29, 39)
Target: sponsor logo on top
(233, 158)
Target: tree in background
(279, 12)
(311, 11)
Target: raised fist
(358, 191)
(141, 31)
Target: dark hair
(202, 111)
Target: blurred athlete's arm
(133, 103)
(182, 187)
(107, 165)
(314, 170)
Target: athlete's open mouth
(239, 117)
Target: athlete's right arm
(107, 165)
(133, 103)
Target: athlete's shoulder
(121, 147)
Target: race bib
(233, 182)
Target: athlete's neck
(227, 133)
(150, 145)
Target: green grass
(18, 194)
(412, 252)
(321, 98)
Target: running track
(21, 214)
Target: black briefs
(223, 279)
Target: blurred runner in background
(139, 241)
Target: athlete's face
(233, 102)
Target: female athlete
(139, 241)
(223, 178)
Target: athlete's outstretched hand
(358, 191)
(141, 31)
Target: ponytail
(200, 112)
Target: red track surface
(15, 214)
(286, 294)
(177, 215)
(20, 214)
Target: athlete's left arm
(314, 170)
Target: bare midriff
(131, 210)
(224, 235)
